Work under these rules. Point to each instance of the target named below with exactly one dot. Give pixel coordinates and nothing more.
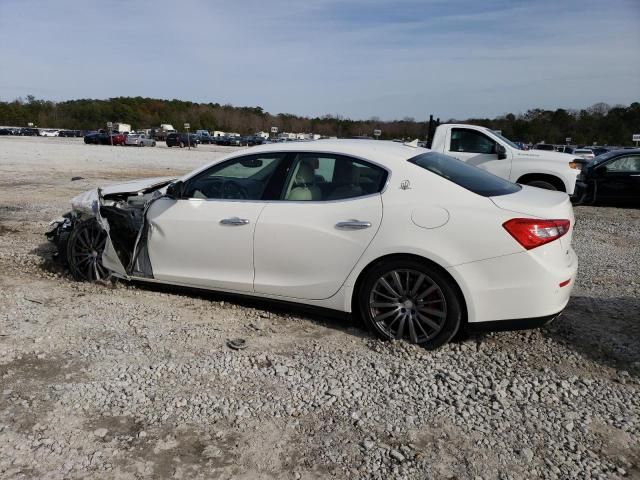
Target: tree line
(601, 123)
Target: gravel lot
(124, 381)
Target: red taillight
(531, 233)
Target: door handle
(353, 225)
(234, 221)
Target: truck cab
(487, 149)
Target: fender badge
(405, 185)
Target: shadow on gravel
(328, 318)
(606, 330)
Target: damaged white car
(415, 242)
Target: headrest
(305, 174)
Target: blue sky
(356, 58)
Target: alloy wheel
(408, 304)
(85, 256)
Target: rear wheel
(84, 251)
(406, 299)
(181, 144)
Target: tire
(418, 304)
(542, 184)
(84, 251)
(181, 144)
(153, 144)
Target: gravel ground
(124, 381)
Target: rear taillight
(531, 233)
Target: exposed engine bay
(106, 231)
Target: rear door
(307, 243)
(479, 150)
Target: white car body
(294, 251)
(49, 133)
(585, 153)
(520, 166)
(139, 140)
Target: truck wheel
(541, 184)
(181, 144)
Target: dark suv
(182, 140)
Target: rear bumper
(514, 324)
(519, 286)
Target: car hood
(136, 186)
(545, 155)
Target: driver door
(478, 150)
(205, 237)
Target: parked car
(50, 132)
(235, 141)
(181, 140)
(140, 140)
(489, 150)
(415, 242)
(544, 146)
(599, 150)
(6, 131)
(221, 140)
(612, 177)
(203, 136)
(564, 149)
(29, 132)
(103, 138)
(585, 153)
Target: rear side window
(467, 176)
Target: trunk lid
(532, 202)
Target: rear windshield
(467, 176)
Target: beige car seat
(304, 187)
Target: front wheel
(407, 299)
(84, 252)
(181, 144)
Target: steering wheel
(234, 190)
(211, 188)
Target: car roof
(380, 151)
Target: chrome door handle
(353, 225)
(234, 221)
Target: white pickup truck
(485, 148)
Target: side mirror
(175, 190)
(600, 171)
(501, 151)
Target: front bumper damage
(122, 215)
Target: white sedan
(139, 140)
(416, 243)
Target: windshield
(506, 140)
(467, 176)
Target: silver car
(139, 140)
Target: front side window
(244, 178)
(629, 163)
(463, 140)
(467, 176)
(323, 177)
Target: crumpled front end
(105, 232)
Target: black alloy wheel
(84, 252)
